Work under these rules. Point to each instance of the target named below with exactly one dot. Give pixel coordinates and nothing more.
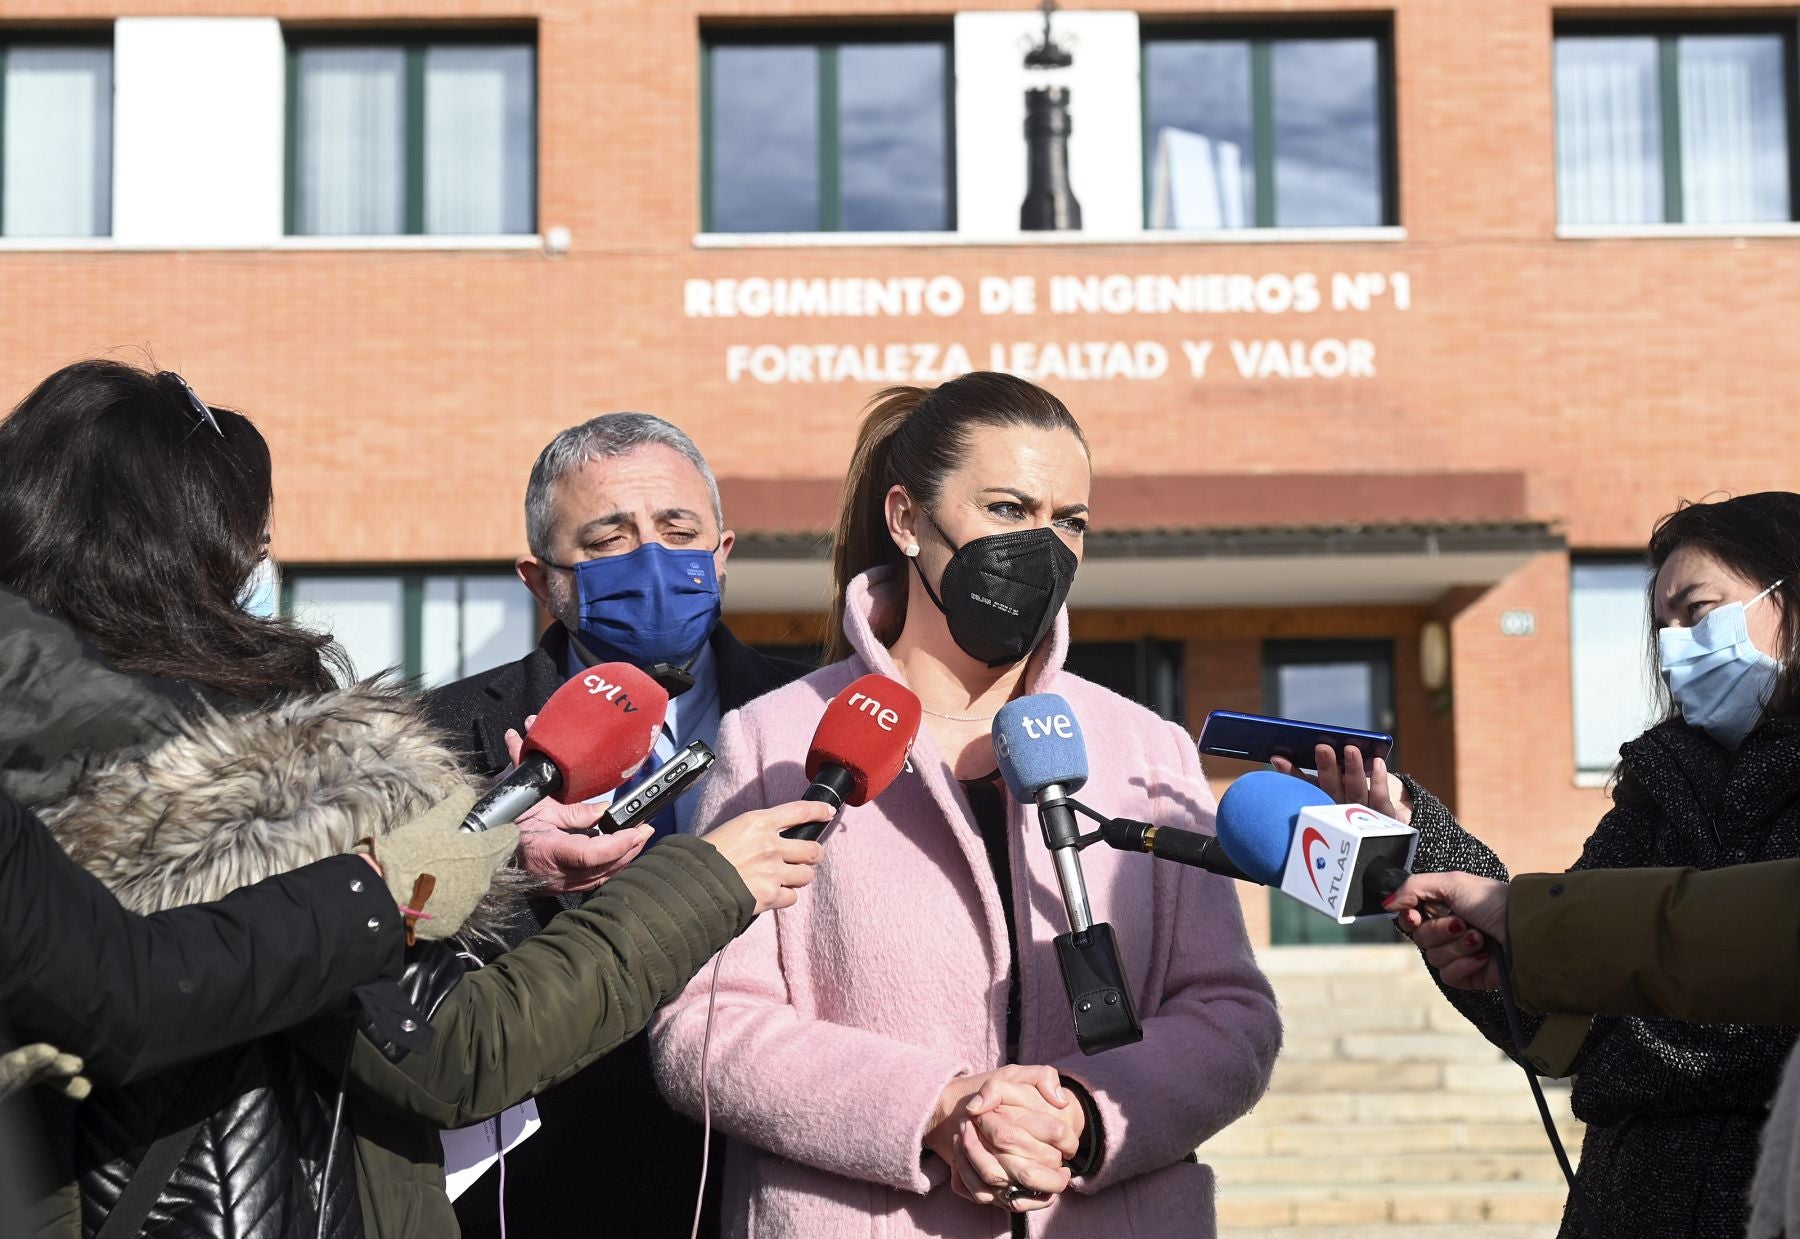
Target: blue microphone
(1258, 815)
(1339, 859)
(1042, 758)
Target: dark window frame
(82, 35)
(827, 40)
(412, 578)
(413, 41)
(1261, 36)
(1666, 32)
(1300, 652)
(1160, 672)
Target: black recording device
(659, 791)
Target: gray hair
(599, 438)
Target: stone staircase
(1389, 1116)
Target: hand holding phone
(1349, 780)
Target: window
(1147, 671)
(1284, 127)
(1669, 125)
(1615, 692)
(433, 627)
(395, 137)
(56, 106)
(828, 133)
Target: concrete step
(1243, 1206)
(1389, 1230)
(1359, 989)
(1464, 1046)
(1389, 1116)
(1383, 1110)
(1312, 961)
(1255, 1139)
(1343, 1018)
(1294, 1076)
(1401, 1169)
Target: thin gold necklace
(962, 718)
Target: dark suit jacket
(612, 1158)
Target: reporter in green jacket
(1715, 945)
(1719, 945)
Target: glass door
(1345, 684)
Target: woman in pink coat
(895, 1055)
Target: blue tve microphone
(1042, 758)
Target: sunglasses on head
(203, 415)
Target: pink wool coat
(841, 1019)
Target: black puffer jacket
(225, 803)
(1674, 1110)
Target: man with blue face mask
(628, 548)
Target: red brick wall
(407, 392)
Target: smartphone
(658, 791)
(1256, 737)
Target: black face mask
(1001, 593)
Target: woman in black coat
(1675, 1111)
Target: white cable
(712, 1004)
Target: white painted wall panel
(199, 130)
(1105, 149)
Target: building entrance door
(1345, 684)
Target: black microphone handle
(1190, 847)
(1184, 847)
(1383, 880)
(832, 784)
(534, 778)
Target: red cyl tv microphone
(860, 746)
(590, 736)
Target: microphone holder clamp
(1099, 997)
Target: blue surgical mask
(1715, 673)
(651, 606)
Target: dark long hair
(916, 437)
(1758, 537)
(127, 515)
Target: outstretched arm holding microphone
(1718, 945)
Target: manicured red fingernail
(1482, 958)
(1473, 940)
(1455, 926)
(1389, 901)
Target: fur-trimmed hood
(231, 800)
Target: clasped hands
(1007, 1132)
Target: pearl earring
(912, 550)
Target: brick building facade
(1409, 478)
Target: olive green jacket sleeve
(567, 995)
(1716, 946)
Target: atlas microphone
(1043, 759)
(1342, 860)
(859, 748)
(590, 736)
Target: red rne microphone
(860, 746)
(590, 736)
